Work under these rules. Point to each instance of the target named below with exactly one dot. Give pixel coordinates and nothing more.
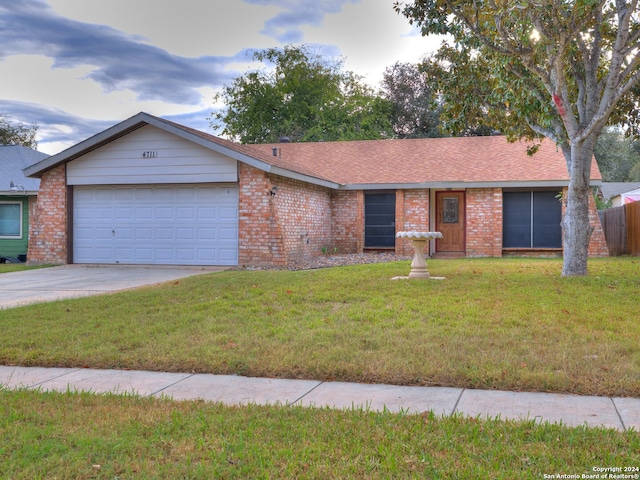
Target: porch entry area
(450, 221)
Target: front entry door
(450, 222)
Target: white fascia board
(455, 185)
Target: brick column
(48, 229)
(484, 222)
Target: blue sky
(76, 67)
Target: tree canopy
(532, 68)
(303, 97)
(618, 156)
(12, 133)
(415, 109)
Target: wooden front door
(450, 222)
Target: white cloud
(190, 28)
(76, 67)
(371, 37)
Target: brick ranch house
(150, 191)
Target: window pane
(516, 227)
(547, 215)
(450, 214)
(10, 220)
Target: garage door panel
(143, 213)
(102, 213)
(102, 196)
(123, 232)
(99, 233)
(144, 233)
(156, 225)
(164, 255)
(102, 254)
(186, 213)
(228, 213)
(165, 213)
(186, 233)
(84, 233)
(189, 194)
(125, 254)
(82, 212)
(228, 233)
(227, 255)
(186, 255)
(207, 234)
(123, 213)
(164, 234)
(206, 213)
(142, 194)
(144, 254)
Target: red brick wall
(295, 223)
(304, 214)
(347, 218)
(412, 214)
(259, 236)
(48, 233)
(484, 222)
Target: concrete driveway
(71, 281)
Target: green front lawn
(511, 324)
(493, 323)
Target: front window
(531, 220)
(10, 220)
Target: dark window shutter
(380, 220)
(547, 215)
(516, 220)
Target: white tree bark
(576, 229)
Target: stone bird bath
(419, 240)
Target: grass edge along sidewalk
(79, 435)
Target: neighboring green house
(17, 192)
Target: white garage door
(157, 224)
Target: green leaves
(507, 61)
(304, 97)
(12, 133)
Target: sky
(77, 67)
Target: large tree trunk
(576, 229)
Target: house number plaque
(150, 154)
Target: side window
(10, 220)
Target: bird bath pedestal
(419, 239)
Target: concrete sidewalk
(571, 410)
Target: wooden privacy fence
(622, 229)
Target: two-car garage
(194, 224)
(153, 197)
